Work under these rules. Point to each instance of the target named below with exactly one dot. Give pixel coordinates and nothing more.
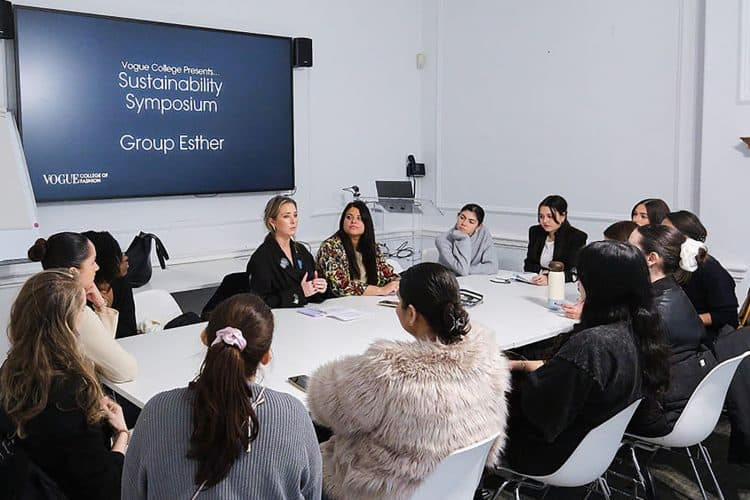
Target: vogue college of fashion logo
(69, 179)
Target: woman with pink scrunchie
(225, 435)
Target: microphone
(352, 189)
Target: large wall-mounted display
(113, 108)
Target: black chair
(232, 284)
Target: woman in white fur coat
(401, 407)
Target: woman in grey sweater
(468, 247)
(225, 436)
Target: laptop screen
(394, 189)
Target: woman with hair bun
(710, 287)
(669, 254)
(225, 435)
(98, 327)
(401, 407)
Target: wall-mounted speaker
(302, 51)
(6, 20)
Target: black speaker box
(302, 50)
(6, 20)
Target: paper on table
(524, 277)
(343, 313)
(339, 313)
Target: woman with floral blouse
(351, 261)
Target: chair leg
(697, 476)
(604, 486)
(707, 458)
(518, 491)
(500, 490)
(641, 480)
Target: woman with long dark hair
(401, 407)
(467, 248)
(225, 435)
(282, 272)
(350, 259)
(612, 357)
(109, 279)
(96, 333)
(553, 239)
(50, 395)
(669, 254)
(710, 287)
(649, 211)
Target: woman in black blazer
(282, 272)
(553, 239)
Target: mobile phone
(388, 303)
(299, 381)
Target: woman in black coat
(282, 272)
(553, 239)
(689, 361)
(615, 355)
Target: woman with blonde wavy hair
(49, 394)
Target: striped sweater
(284, 461)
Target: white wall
(725, 160)
(593, 100)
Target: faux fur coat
(401, 407)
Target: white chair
(397, 267)
(588, 462)
(697, 420)
(457, 476)
(155, 308)
(430, 255)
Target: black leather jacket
(689, 360)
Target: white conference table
(516, 312)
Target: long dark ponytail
(222, 406)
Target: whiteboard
(18, 221)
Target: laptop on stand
(397, 197)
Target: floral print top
(333, 263)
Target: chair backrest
(702, 411)
(594, 453)
(396, 265)
(155, 308)
(457, 476)
(430, 255)
(232, 284)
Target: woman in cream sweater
(96, 333)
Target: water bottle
(556, 285)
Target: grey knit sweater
(284, 461)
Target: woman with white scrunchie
(710, 287)
(669, 253)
